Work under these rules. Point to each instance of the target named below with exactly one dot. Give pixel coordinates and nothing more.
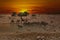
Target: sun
(23, 10)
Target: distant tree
(26, 13)
(33, 15)
(13, 14)
(23, 14)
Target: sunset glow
(32, 6)
(23, 10)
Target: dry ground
(30, 36)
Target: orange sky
(32, 6)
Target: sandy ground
(12, 32)
(30, 36)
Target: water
(52, 26)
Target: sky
(31, 6)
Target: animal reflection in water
(24, 22)
(20, 23)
